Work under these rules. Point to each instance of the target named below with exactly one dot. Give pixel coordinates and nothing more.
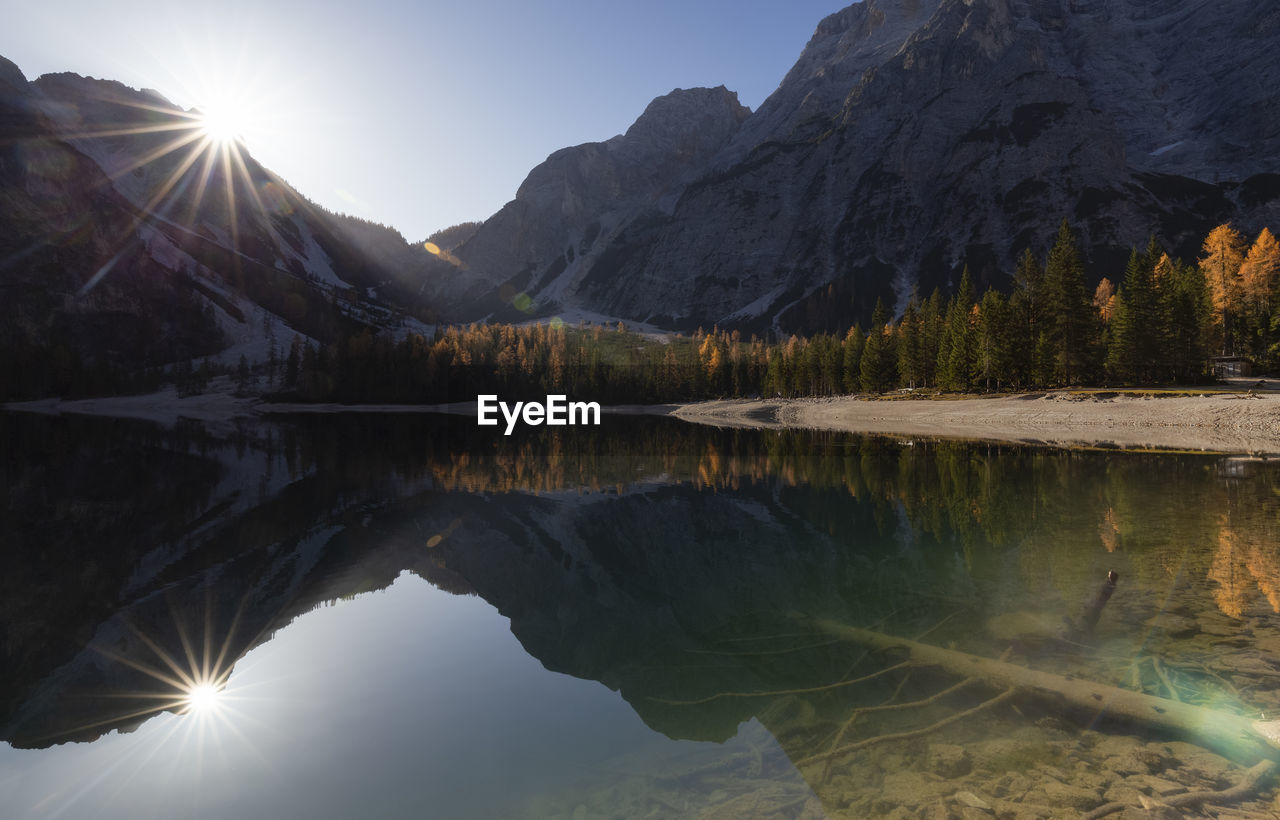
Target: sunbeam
(183, 147)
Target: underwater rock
(949, 761)
(972, 800)
(1065, 794)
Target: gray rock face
(913, 137)
(11, 76)
(572, 206)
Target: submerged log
(1091, 615)
(1248, 785)
(1233, 735)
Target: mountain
(911, 138)
(128, 240)
(579, 204)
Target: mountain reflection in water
(682, 567)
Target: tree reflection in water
(680, 565)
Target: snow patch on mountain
(313, 257)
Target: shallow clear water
(406, 617)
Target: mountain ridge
(131, 242)
(915, 137)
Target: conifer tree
(1135, 334)
(910, 361)
(1119, 363)
(1071, 325)
(878, 360)
(854, 341)
(957, 352)
(1190, 321)
(992, 349)
(931, 321)
(831, 358)
(1027, 321)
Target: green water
(410, 617)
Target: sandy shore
(1219, 422)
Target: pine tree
(851, 370)
(1120, 362)
(1133, 351)
(993, 357)
(910, 361)
(1190, 321)
(1026, 306)
(1071, 323)
(931, 323)
(878, 360)
(956, 353)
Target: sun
(223, 122)
(202, 698)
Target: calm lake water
(403, 616)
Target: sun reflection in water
(184, 669)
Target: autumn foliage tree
(1223, 255)
(1157, 325)
(1259, 278)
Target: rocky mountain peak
(573, 204)
(844, 47)
(11, 75)
(912, 138)
(704, 115)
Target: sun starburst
(222, 124)
(179, 157)
(203, 698)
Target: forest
(1160, 322)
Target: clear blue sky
(419, 114)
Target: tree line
(1160, 324)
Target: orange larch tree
(1223, 256)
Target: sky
(418, 115)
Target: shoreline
(1245, 423)
(1224, 422)
(220, 405)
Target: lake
(408, 616)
